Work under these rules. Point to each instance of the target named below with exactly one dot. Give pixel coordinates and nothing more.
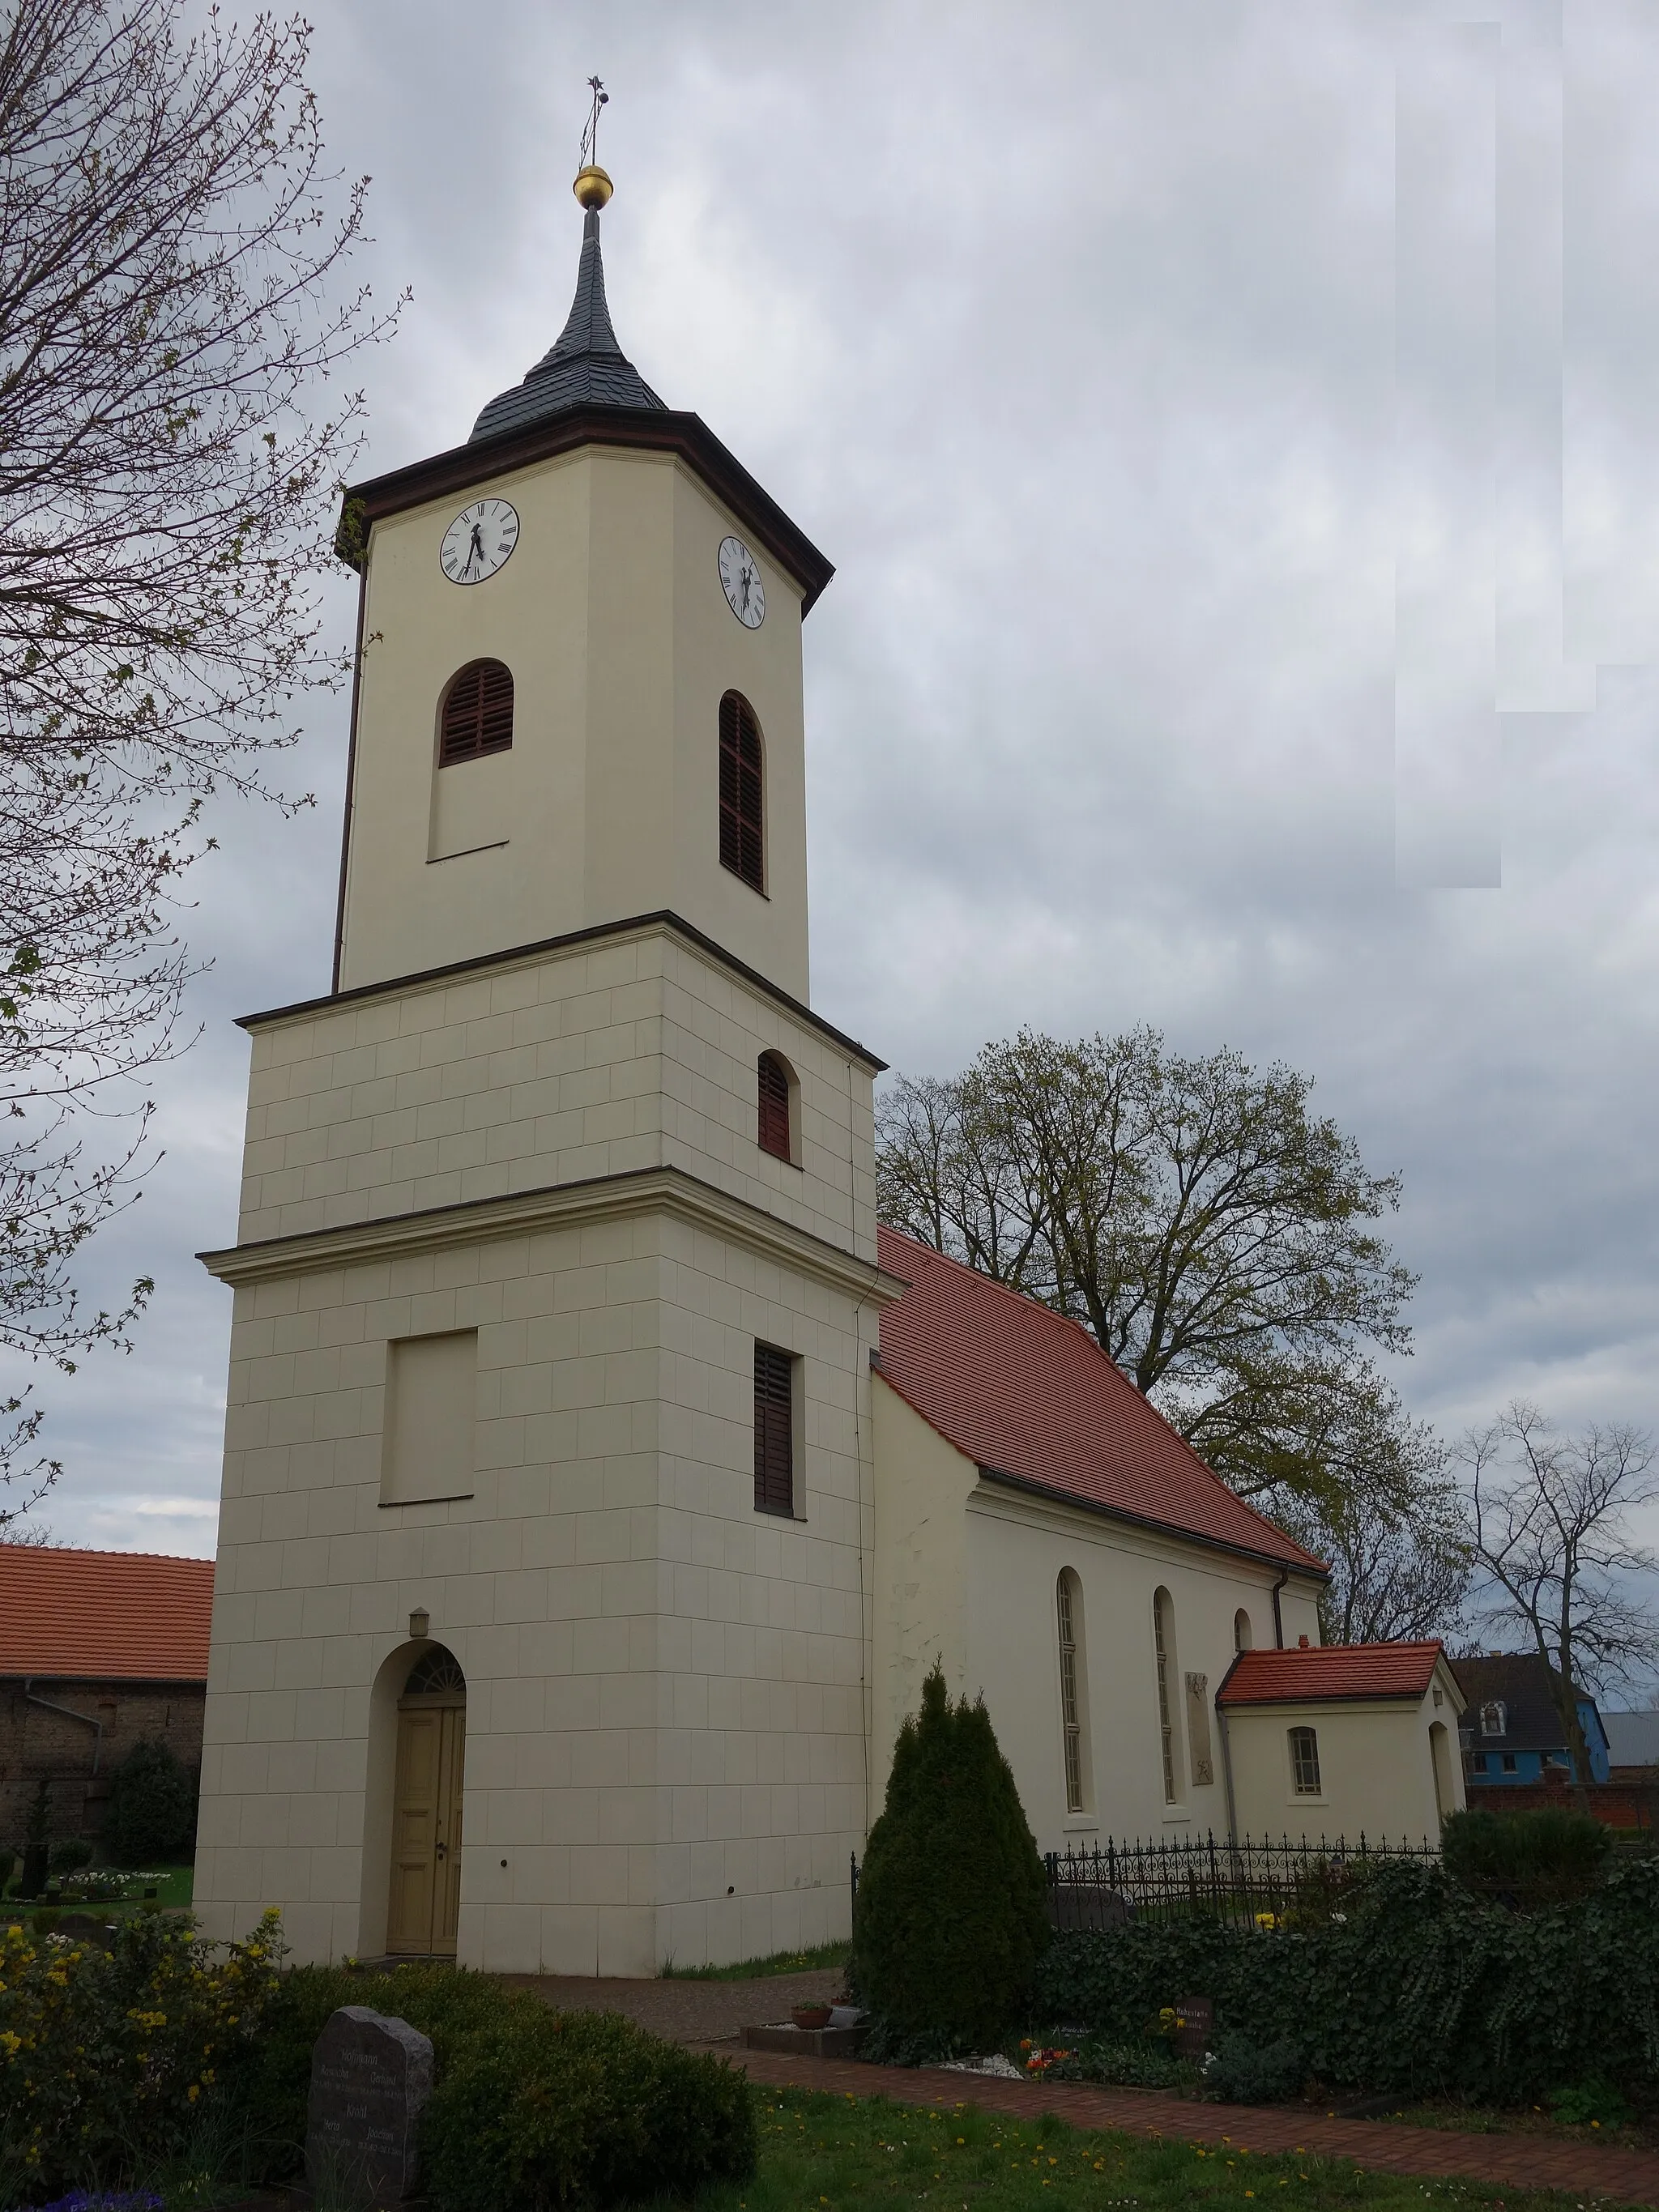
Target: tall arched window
(1164, 1642)
(777, 1089)
(1243, 1634)
(743, 846)
(478, 713)
(1074, 1691)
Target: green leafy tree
(152, 1806)
(952, 1915)
(1215, 1235)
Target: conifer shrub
(952, 1915)
(152, 1807)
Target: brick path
(1595, 2171)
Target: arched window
(1243, 1634)
(742, 847)
(1305, 1762)
(1494, 1719)
(777, 1099)
(478, 713)
(1164, 1641)
(1073, 1698)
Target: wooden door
(426, 1836)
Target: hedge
(1418, 1986)
(531, 2109)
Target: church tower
(540, 1633)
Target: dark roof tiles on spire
(585, 368)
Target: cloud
(1069, 333)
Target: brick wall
(1630, 1801)
(33, 1742)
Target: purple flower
(103, 2200)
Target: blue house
(1511, 1729)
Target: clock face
(479, 541)
(745, 594)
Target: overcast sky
(1233, 426)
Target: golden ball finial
(592, 187)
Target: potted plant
(810, 2016)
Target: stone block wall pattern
(634, 1053)
(665, 1717)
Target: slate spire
(586, 367)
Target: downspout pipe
(1278, 1622)
(87, 1720)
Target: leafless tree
(1212, 1233)
(1396, 1570)
(1548, 1521)
(170, 243)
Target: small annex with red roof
(98, 1651)
(1138, 1630)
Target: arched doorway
(425, 1812)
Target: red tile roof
(104, 1615)
(1030, 1396)
(1331, 1671)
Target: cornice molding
(1062, 1503)
(649, 430)
(561, 1205)
(663, 923)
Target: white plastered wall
(664, 1698)
(665, 1717)
(966, 1571)
(636, 1051)
(611, 615)
(1375, 1762)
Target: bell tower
(539, 1634)
(619, 574)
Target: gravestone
(369, 2078)
(1196, 2033)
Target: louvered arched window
(775, 1132)
(743, 846)
(478, 713)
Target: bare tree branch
(170, 242)
(1547, 1519)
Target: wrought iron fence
(1212, 1877)
(1185, 1878)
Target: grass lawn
(752, 1970)
(173, 1891)
(829, 2152)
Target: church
(600, 1481)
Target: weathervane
(592, 187)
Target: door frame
(380, 1772)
